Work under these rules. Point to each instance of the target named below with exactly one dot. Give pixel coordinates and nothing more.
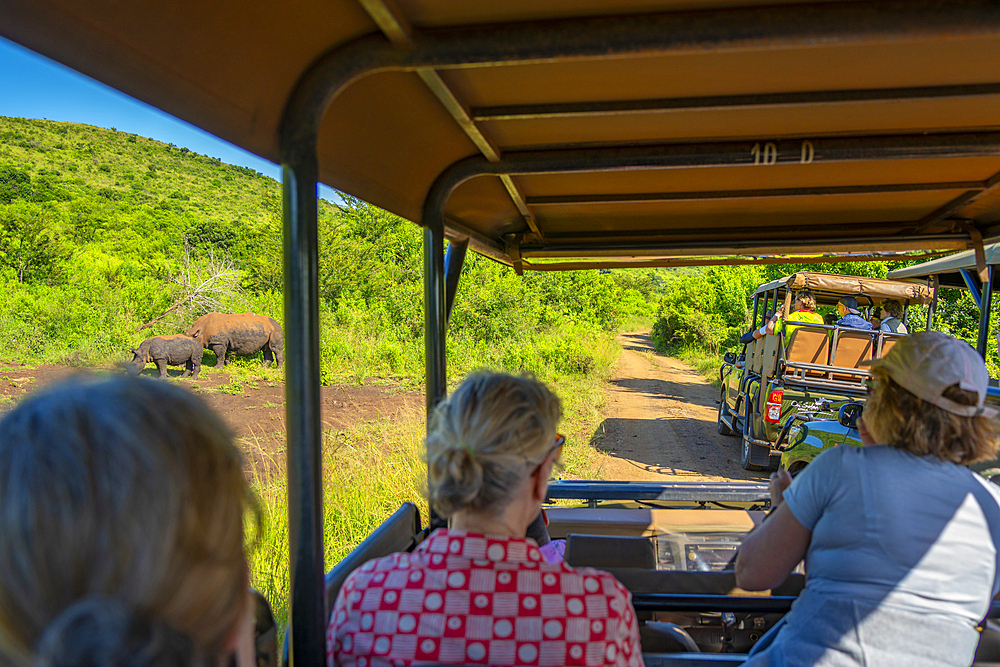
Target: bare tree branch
(203, 285)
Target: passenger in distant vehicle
(900, 538)
(754, 334)
(121, 530)
(850, 316)
(479, 591)
(892, 314)
(805, 307)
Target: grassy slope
(113, 214)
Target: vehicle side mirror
(849, 413)
(729, 357)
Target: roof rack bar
(861, 148)
(857, 244)
(722, 261)
(762, 232)
(712, 103)
(552, 200)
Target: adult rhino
(176, 350)
(240, 333)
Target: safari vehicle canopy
(609, 133)
(963, 270)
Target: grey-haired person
(121, 530)
(899, 537)
(480, 591)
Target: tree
(202, 285)
(29, 239)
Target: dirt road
(660, 422)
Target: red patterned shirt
(463, 598)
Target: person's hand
(780, 481)
(866, 437)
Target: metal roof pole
(454, 260)
(974, 290)
(985, 304)
(933, 305)
(307, 614)
(435, 308)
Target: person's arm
(772, 550)
(771, 324)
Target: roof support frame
(395, 26)
(594, 38)
(718, 261)
(307, 613)
(714, 195)
(714, 103)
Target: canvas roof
(828, 288)
(601, 130)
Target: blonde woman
(479, 592)
(900, 538)
(121, 529)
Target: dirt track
(660, 423)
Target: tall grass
(370, 469)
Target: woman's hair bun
(103, 632)
(457, 478)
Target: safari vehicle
(552, 135)
(808, 374)
(958, 271)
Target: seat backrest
(887, 344)
(769, 359)
(811, 346)
(604, 551)
(853, 347)
(395, 534)
(757, 354)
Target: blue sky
(32, 86)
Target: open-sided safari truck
(809, 373)
(565, 135)
(958, 271)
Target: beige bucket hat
(928, 362)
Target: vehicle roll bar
(517, 43)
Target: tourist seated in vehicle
(479, 591)
(899, 536)
(121, 535)
(892, 317)
(759, 332)
(804, 313)
(850, 316)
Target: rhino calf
(166, 351)
(240, 333)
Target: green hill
(102, 232)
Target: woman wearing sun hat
(900, 538)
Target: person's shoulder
(597, 581)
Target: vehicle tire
(724, 413)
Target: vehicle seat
(604, 551)
(853, 347)
(809, 347)
(888, 341)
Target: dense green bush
(102, 232)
